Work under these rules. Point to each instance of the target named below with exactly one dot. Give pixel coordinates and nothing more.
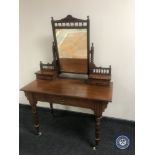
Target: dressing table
(71, 78)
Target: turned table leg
(97, 131)
(35, 118)
(98, 109)
(51, 108)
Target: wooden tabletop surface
(70, 87)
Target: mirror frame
(70, 22)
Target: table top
(70, 88)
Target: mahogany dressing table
(71, 54)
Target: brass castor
(39, 133)
(94, 148)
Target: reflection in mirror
(72, 49)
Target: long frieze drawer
(73, 102)
(78, 102)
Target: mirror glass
(72, 50)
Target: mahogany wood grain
(73, 65)
(94, 93)
(71, 92)
(46, 74)
(71, 88)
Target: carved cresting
(69, 22)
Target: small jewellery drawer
(46, 75)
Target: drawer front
(77, 102)
(59, 100)
(73, 102)
(44, 77)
